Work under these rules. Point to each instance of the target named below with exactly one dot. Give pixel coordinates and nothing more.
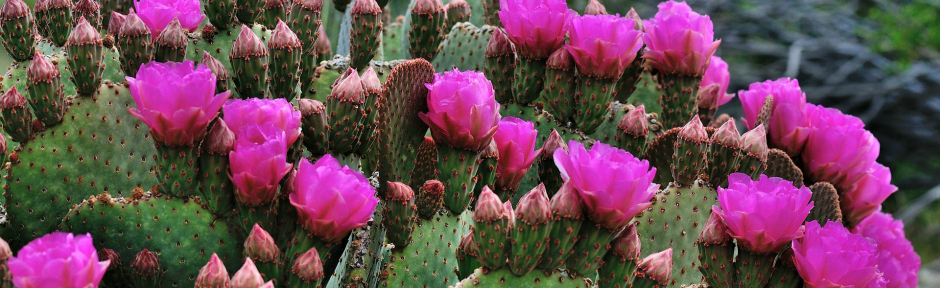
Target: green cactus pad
(220, 45)
(780, 165)
(660, 153)
(399, 126)
(503, 278)
(98, 147)
(431, 259)
(675, 221)
(391, 40)
(180, 232)
(322, 81)
(464, 48)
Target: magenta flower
(462, 110)
(763, 215)
(713, 90)
(614, 185)
(603, 45)
(157, 14)
(176, 101)
(830, 256)
(840, 155)
(822, 118)
(278, 112)
(58, 260)
(537, 27)
(678, 40)
(515, 141)
(332, 199)
(789, 127)
(895, 254)
(867, 194)
(258, 163)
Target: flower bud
(657, 267)
(595, 7)
(308, 267)
(755, 142)
(248, 276)
(499, 45)
(715, 231)
(117, 21)
(260, 246)
(727, 135)
(213, 275)
(534, 207)
(220, 139)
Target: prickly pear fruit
(16, 29)
(250, 64)
(170, 45)
(364, 35)
(17, 120)
(531, 233)
(85, 57)
(285, 50)
(135, 44)
(45, 90)
(427, 29)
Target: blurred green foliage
(906, 32)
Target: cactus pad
(180, 232)
(431, 258)
(675, 220)
(463, 48)
(780, 165)
(503, 278)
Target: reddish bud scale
(548, 172)
(399, 213)
(88, 9)
(566, 223)
(263, 251)
(305, 21)
(754, 152)
(690, 154)
(221, 74)
(85, 52)
(17, 119)
(429, 198)
(724, 154)
(530, 236)
(633, 130)
(285, 50)
(322, 47)
(345, 109)
(716, 252)
(170, 45)
(314, 124)
(115, 23)
(467, 256)
(620, 262)
(493, 222)
(306, 271)
(45, 90)
(248, 276)
(146, 270)
(135, 44)
(655, 269)
(250, 64)
(560, 82)
(427, 29)
(364, 34)
(16, 26)
(595, 7)
(500, 60)
(213, 275)
(116, 270)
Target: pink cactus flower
(515, 140)
(789, 127)
(763, 215)
(831, 256)
(58, 260)
(867, 194)
(713, 91)
(157, 14)
(278, 112)
(614, 184)
(462, 110)
(678, 40)
(603, 45)
(895, 254)
(176, 101)
(536, 27)
(258, 163)
(332, 199)
(840, 155)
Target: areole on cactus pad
(240, 152)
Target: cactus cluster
(170, 142)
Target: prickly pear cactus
(463, 48)
(180, 231)
(430, 260)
